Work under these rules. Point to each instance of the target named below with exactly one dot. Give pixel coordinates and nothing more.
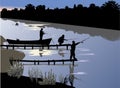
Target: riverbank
(6, 54)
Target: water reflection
(105, 33)
(71, 76)
(85, 54)
(80, 73)
(37, 52)
(82, 61)
(103, 47)
(62, 52)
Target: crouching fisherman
(61, 39)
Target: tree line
(105, 16)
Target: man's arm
(78, 43)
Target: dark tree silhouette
(111, 13)
(106, 16)
(4, 13)
(40, 12)
(29, 11)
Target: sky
(50, 3)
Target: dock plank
(48, 61)
(24, 46)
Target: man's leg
(70, 55)
(74, 56)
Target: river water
(98, 57)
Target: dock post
(7, 46)
(42, 47)
(57, 46)
(17, 61)
(34, 62)
(32, 47)
(38, 62)
(63, 61)
(24, 46)
(13, 46)
(48, 62)
(54, 62)
(48, 47)
(67, 47)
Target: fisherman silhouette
(61, 39)
(72, 51)
(41, 33)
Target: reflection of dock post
(71, 76)
(73, 62)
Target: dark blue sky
(51, 3)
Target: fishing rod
(80, 41)
(84, 40)
(70, 39)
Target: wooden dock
(49, 62)
(34, 46)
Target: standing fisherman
(73, 47)
(72, 51)
(41, 33)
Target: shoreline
(108, 34)
(6, 54)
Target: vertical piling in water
(24, 46)
(48, 62)
(42, 47)
(38, 62)
(48, 47)
(13, 47)
(32, 47)
(67, 47)
(63, 61)
(57, 46)
(34, 62)
(54, 62)
(7, 46)
(73, 62)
